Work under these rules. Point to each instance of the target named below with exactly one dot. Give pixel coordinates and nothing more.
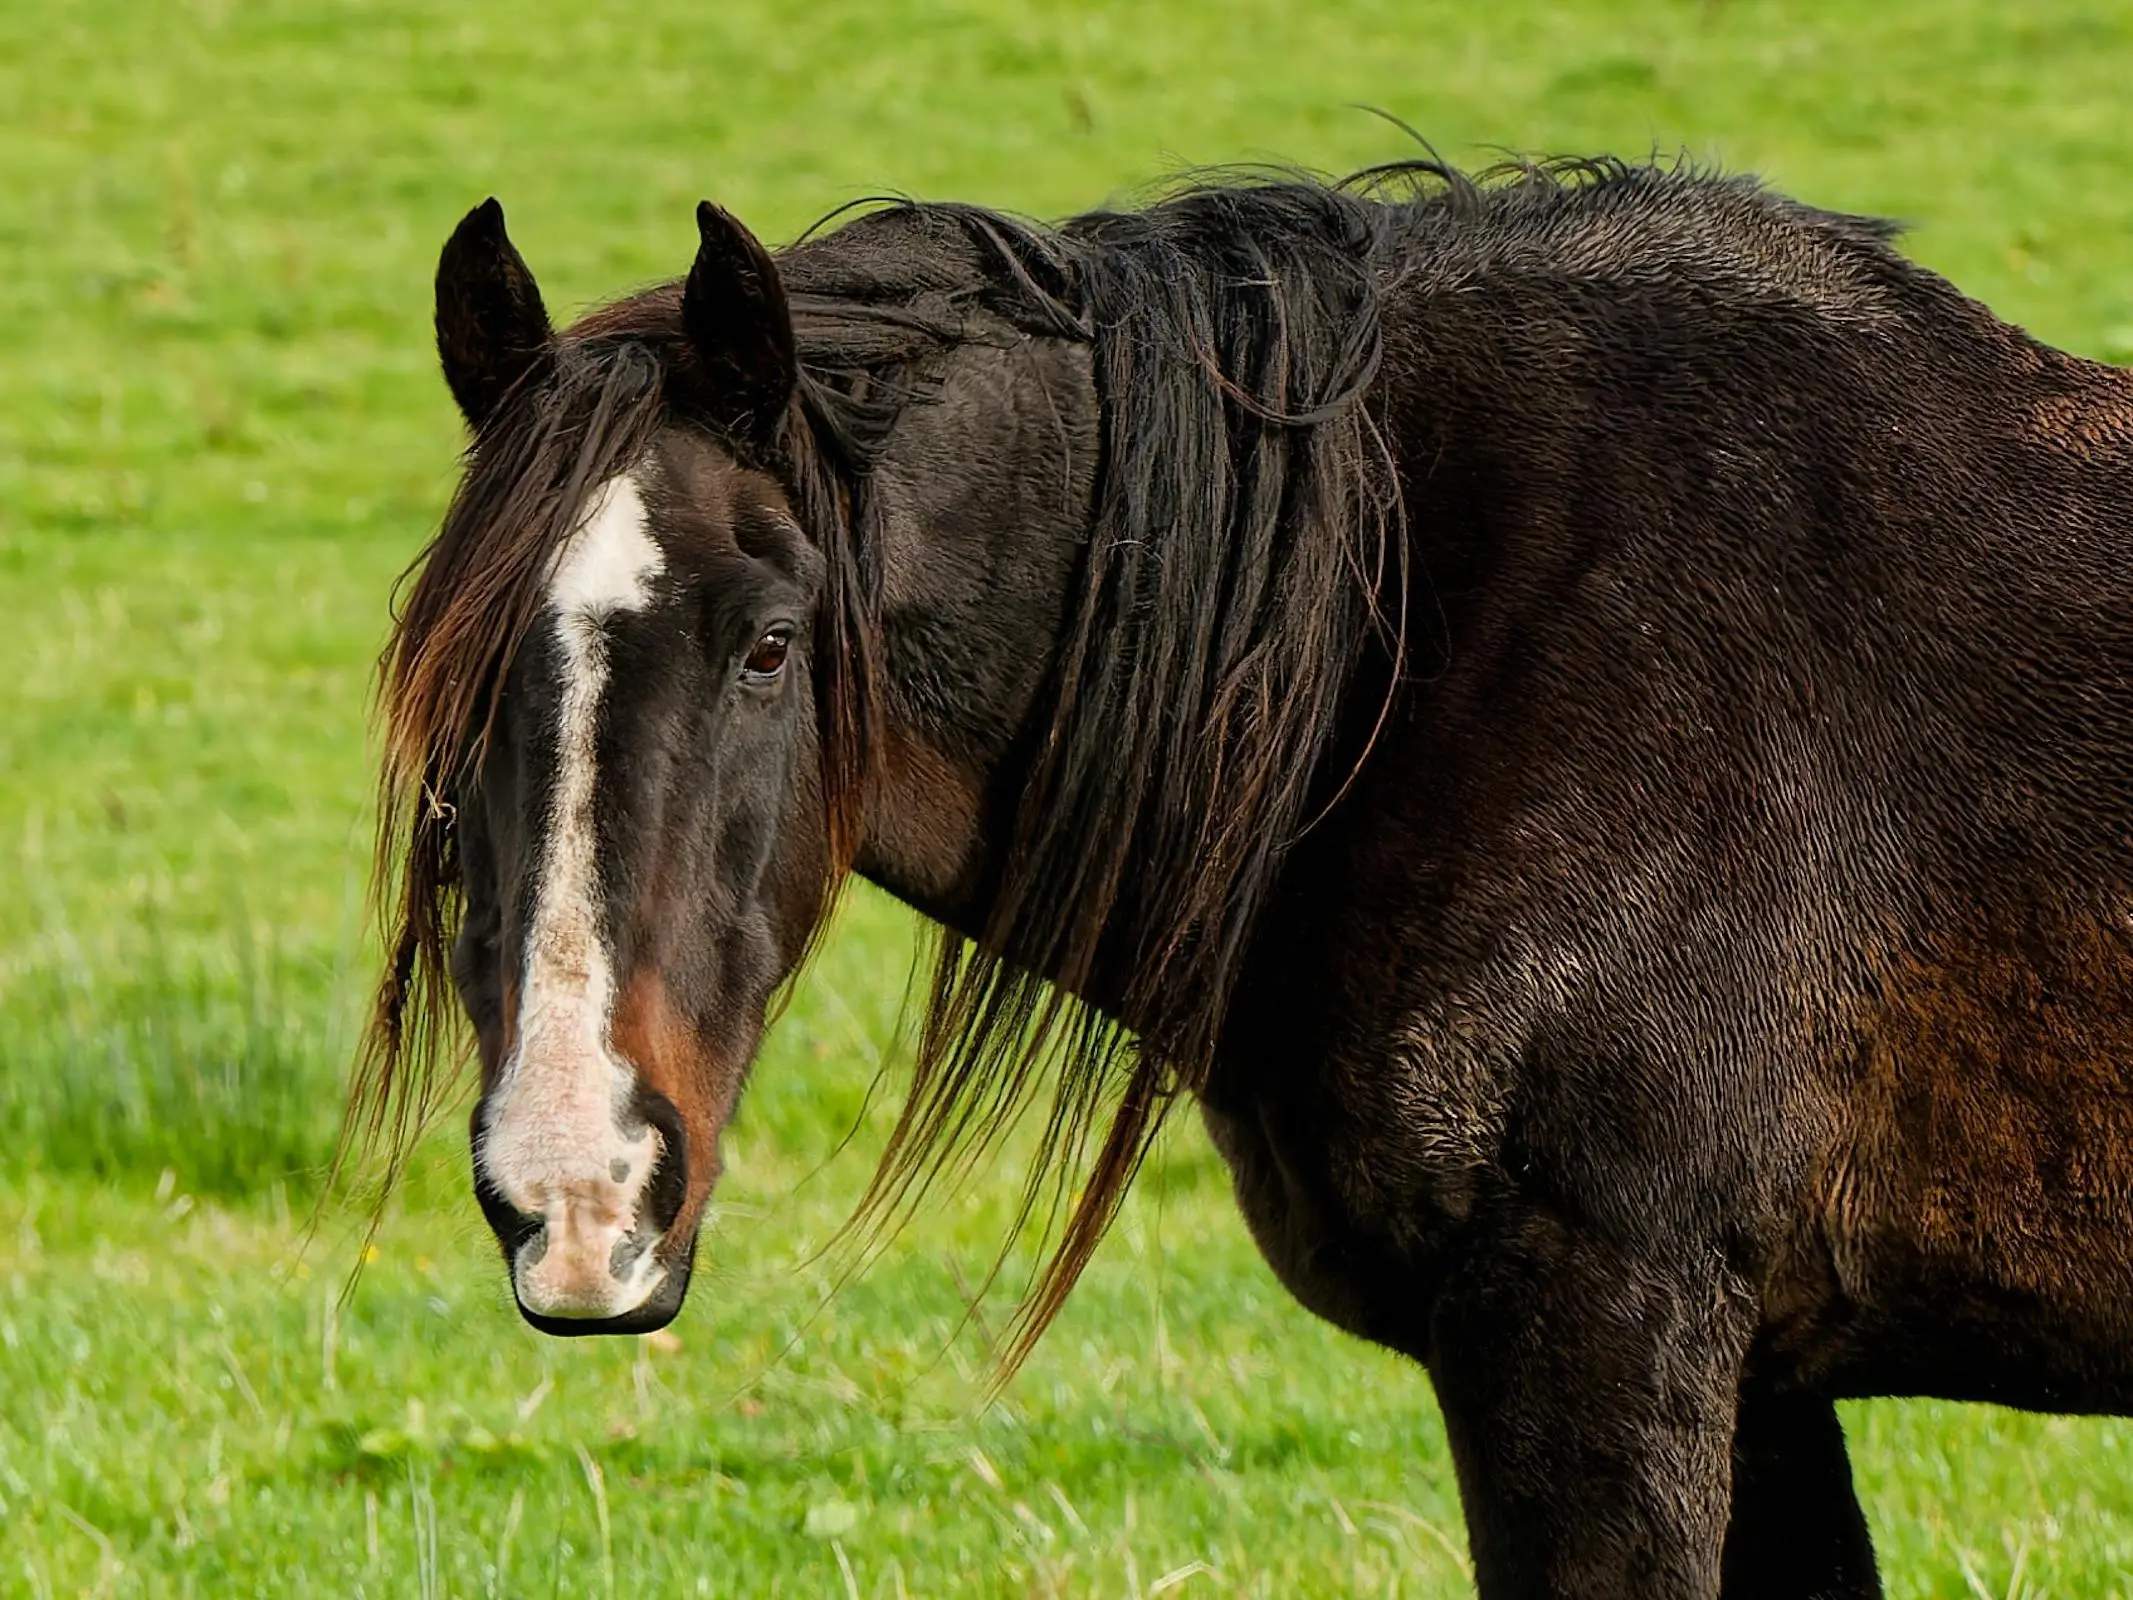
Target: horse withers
(1585, 715)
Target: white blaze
(603, 568)
(553, 1143)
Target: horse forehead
(608, 562)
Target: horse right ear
(491, 325)
(735, 314)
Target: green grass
(221, 436)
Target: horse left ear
(491, 326)
(735, 315)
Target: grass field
(221, 436)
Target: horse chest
(1356, 1179)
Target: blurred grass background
(221, 436)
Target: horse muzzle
(591, 1229)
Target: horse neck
(984, 496)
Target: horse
(1582, 714)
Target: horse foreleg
(1797, 1531)
(1590, 1400)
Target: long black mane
(1244, 522)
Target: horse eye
(767, 659)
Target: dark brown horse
(1586, 717)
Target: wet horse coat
(1587, 720)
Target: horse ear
(735, 315)
(491, 325)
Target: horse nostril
(666, 1188)
(514, 1229)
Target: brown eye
(767, 659)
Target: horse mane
(1247, 530)
(1246, 521)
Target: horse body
(1690, 983)
(1733, 906)
(1742, 797)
